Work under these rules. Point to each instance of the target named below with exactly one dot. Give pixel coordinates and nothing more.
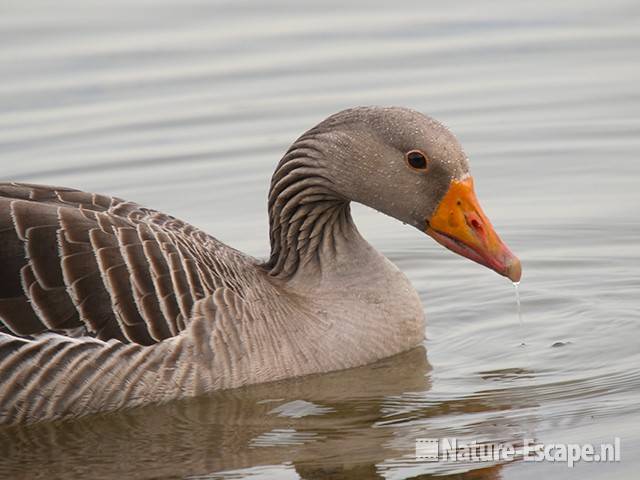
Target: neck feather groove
(305, 213)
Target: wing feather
(79, 263)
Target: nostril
(476, 225)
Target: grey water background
(186, 107)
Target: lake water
(187, 106)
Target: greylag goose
(105, 304)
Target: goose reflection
(357, 423)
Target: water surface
(187, 106)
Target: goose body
(105, 304)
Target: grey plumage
(106, 304)
(87, 279)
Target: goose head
(412, 168)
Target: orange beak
(460, 225)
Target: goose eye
(416, 160)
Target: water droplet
(515, 285)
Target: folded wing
(83, 264)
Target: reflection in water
(357, 424)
